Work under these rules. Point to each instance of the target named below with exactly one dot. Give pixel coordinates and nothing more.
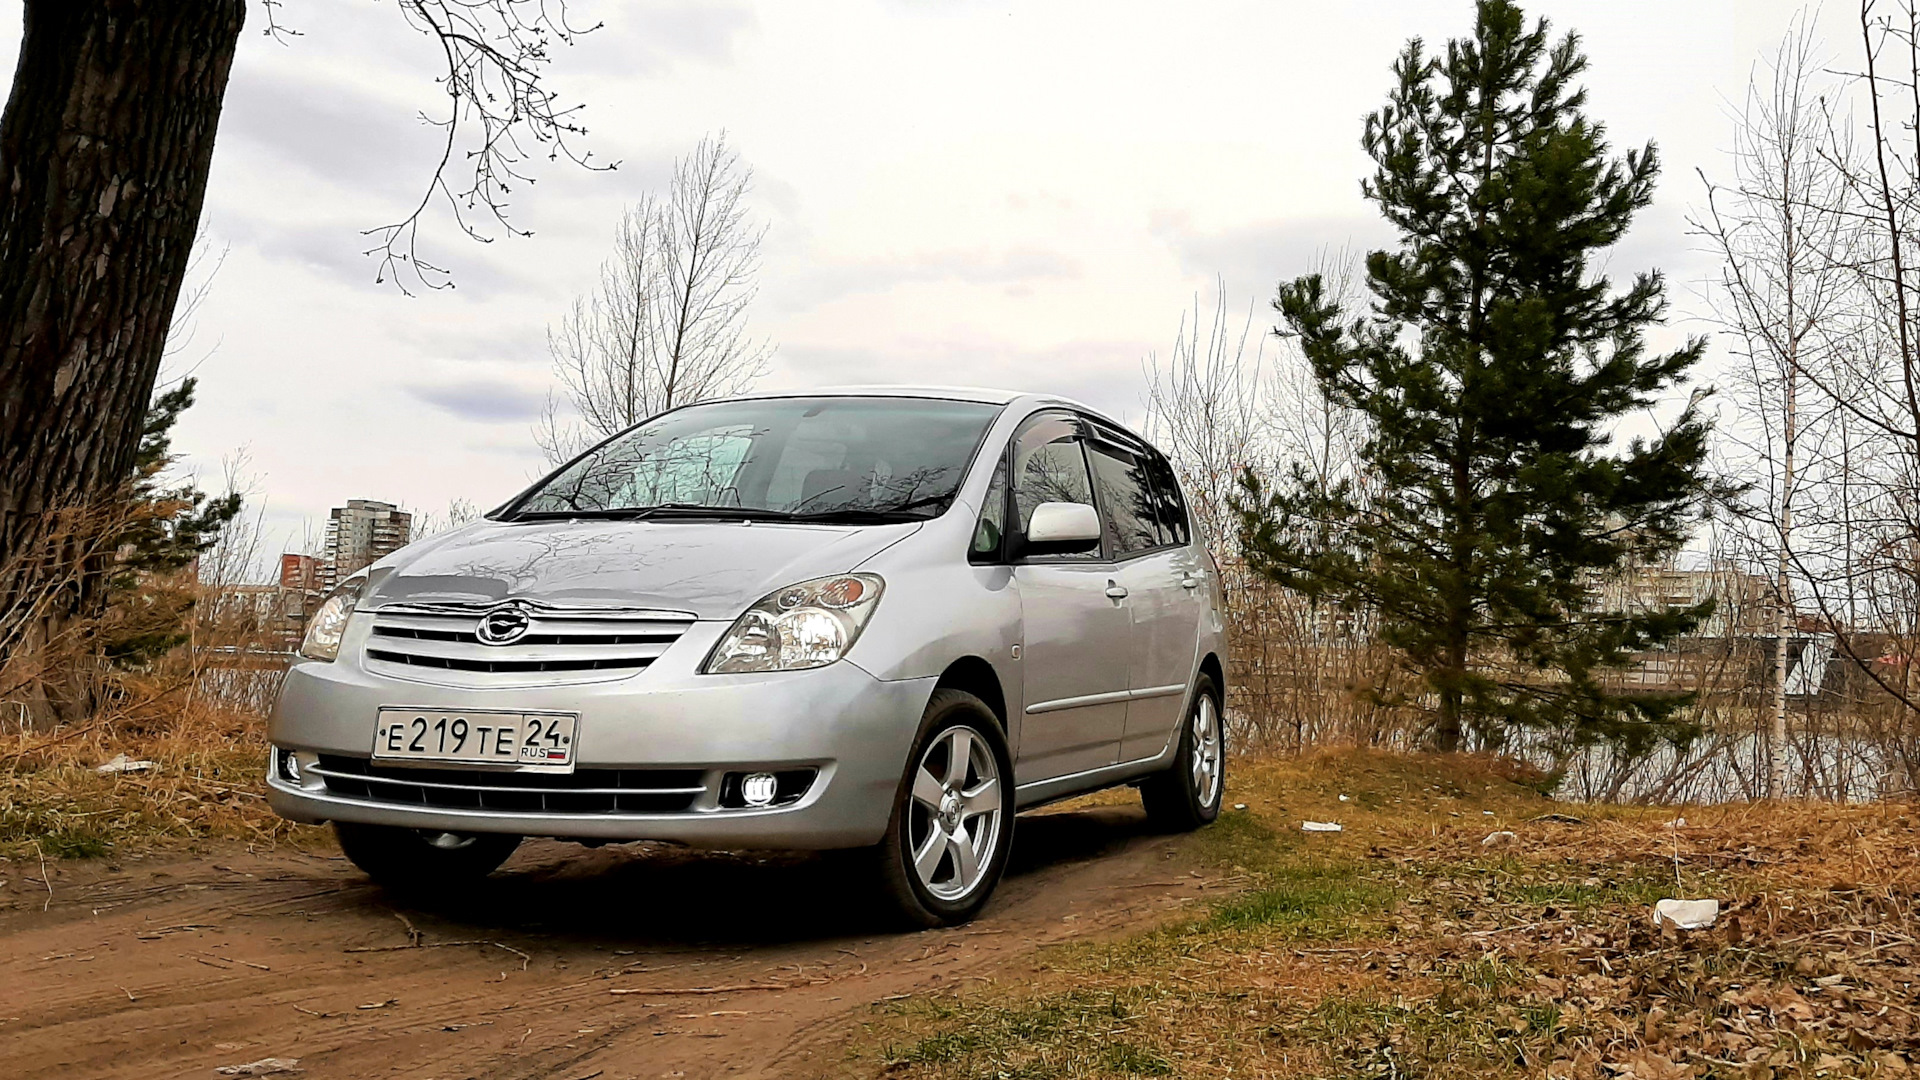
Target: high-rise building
(360, 533)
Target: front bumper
(855, 729)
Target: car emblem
(504, 625)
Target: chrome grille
(584, 791)
(443, 644)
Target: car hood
(712, 570)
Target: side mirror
(1061, 528)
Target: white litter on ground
(263, 1067)
(1343, 798)
(1319, 826)
(1497, 839)
(1686, 914)
(122, 763)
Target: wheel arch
(975, 676)
(1211, 667)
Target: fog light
(296, 768)
(758, 789)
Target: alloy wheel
(953, 821)
(1205, 764)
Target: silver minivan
(880, 620)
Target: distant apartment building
(360, 534)
(299, 573)
(1744, 602)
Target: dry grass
(207, 780)
(1405, 947)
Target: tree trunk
(1449, 729)
(1783, 623)
(104, 152)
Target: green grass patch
(1294, 892)
(1081, 1033)
(54, 833)
(1311, 901)
(74, 842)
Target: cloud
(653, 39)
(1013, 267)
(484, 401)
(464, 338)
(334, 129)
(1255, 258)
(320, 155)
(1102, 373)
(338, 250)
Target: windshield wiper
(879, 515)
(703, 510)
(857, 515)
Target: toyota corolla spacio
(882, 620)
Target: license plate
(535, 742)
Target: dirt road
(621, 962)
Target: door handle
(1116, 591)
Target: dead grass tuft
(206, 780)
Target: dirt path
(568, 964)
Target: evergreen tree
(1491, 368)
(169, 525)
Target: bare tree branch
(667, 323)
(499, 117)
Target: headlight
(329, 622)
(808, 625)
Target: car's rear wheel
(422, 860)
(1187, 795)
(952, 825)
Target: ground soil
(619, 962)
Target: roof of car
(984, 394)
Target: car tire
(948, 837)
(422, 861)
(1187, 794)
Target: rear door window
(1127, 501)
(1170, 506)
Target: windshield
(808, 458)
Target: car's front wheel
(421, 860)
(1187, 795)
(952, 825)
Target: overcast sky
(1024, 195)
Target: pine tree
(1491, 369)
(168, 526)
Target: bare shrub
(1232, 396)
(197, 710)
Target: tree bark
(105, 148)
